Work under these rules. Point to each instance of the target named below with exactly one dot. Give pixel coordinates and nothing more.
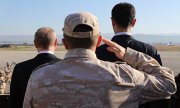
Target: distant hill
(16, 39)
(153, 38)
(148, 38)
(159, 38)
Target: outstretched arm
(153, 80)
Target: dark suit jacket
(21, 74)
(127, 41)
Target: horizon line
(101, 33)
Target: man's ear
(55, 43)
(134, 22)
(35, 44)
(113, 22)
(65, 43)
(99, 41)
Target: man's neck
(41, 50)
(92, 49)
(118, 29)
(127, 30)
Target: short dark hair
(44, 37)
(81, 42)
(123, 14)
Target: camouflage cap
(76, 19)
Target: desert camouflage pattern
(83, 81)
(5, 77)
(2, 82)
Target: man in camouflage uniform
(8, 72)
(83, 81)
(2, 82)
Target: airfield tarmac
(170, 59)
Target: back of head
(44, 38)
(123, 14)
(81, 30)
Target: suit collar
(45, 55)
(46, 51)
(122, 37)
(122, 33)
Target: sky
(24, 17)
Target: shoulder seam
(45, 64)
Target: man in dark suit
(123, 20)
(45, 42)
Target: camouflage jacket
(83, 81)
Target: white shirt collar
(46, 51)
(122, 33)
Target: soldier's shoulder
(45, 64)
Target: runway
(170, 59)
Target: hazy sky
(26, 16)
